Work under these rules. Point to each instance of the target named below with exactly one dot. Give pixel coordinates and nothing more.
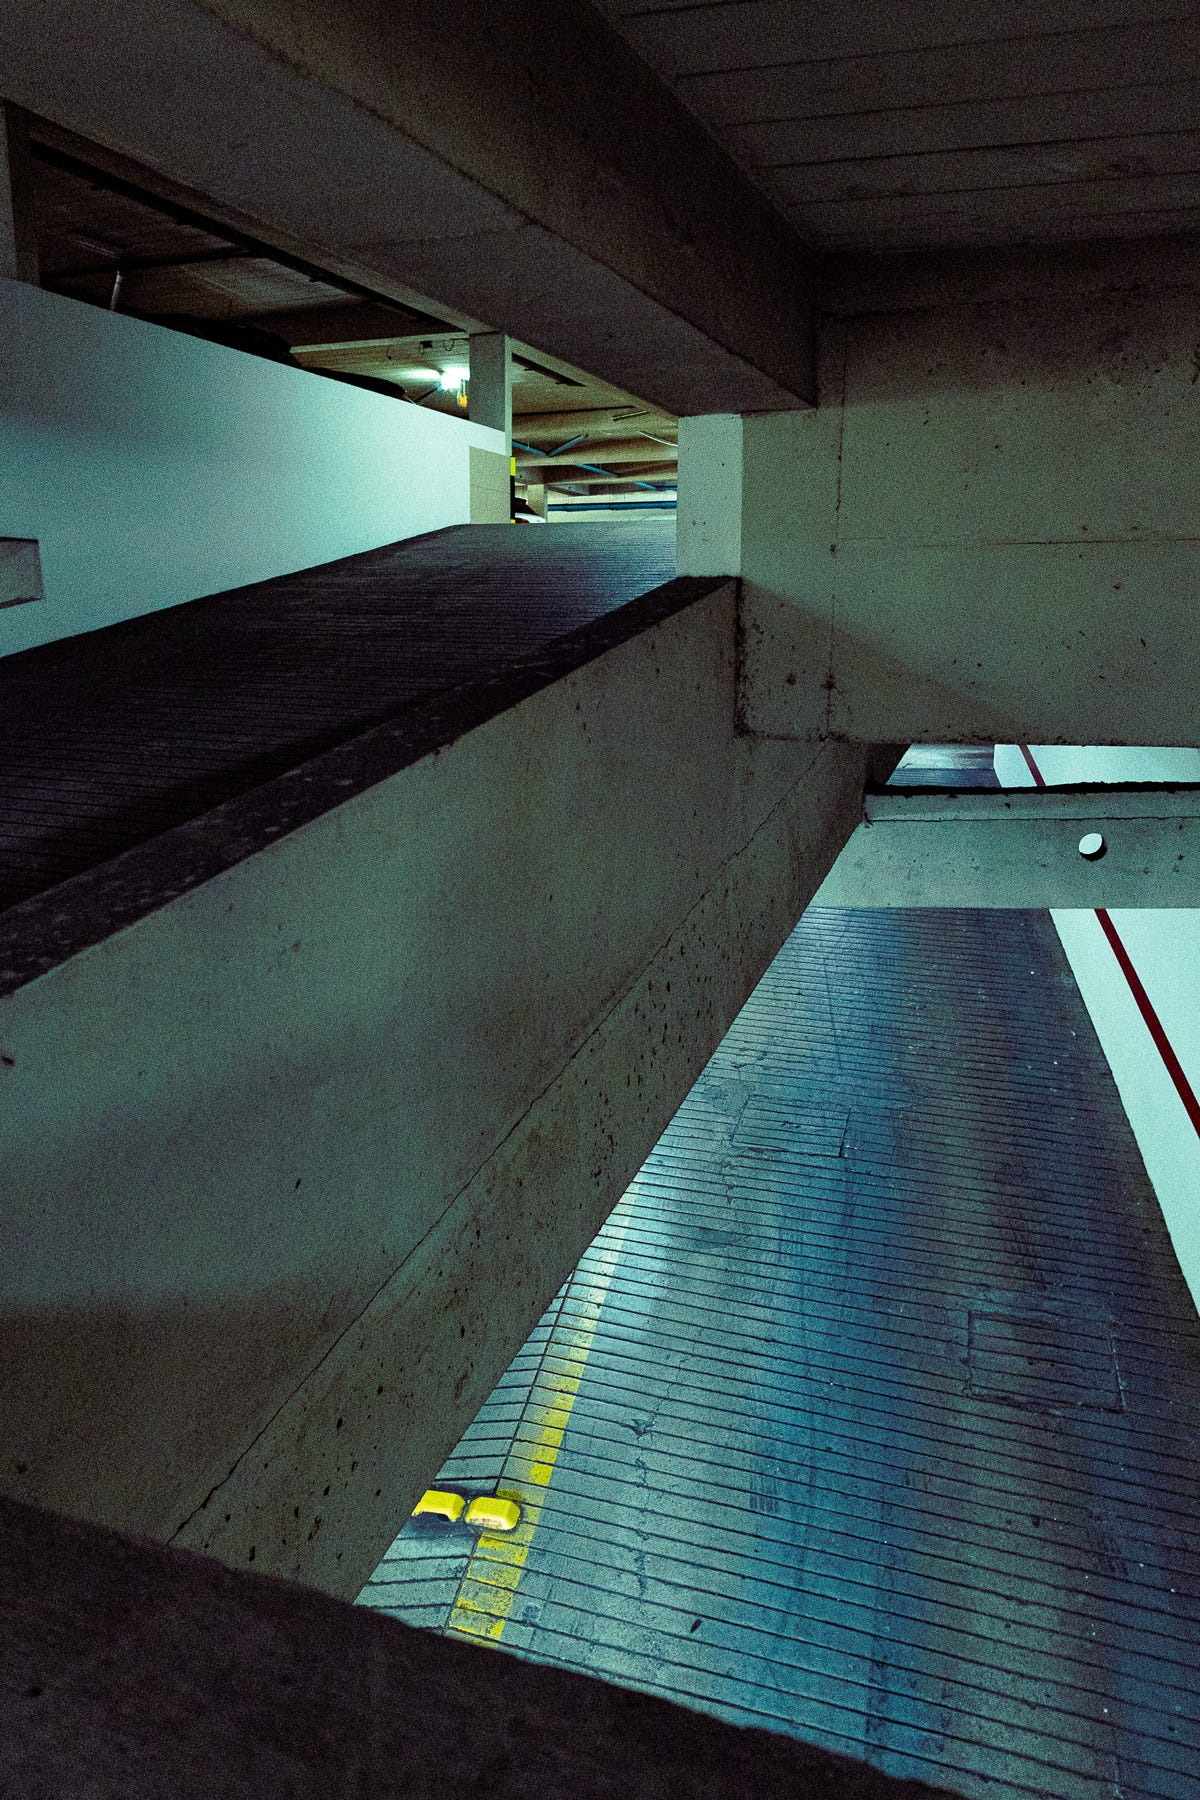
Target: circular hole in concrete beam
(1092, 846)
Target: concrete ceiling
(877, 126)
(556, 169)
(103, 235)
(518, 163)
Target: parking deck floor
(871, 1415)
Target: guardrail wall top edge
(39, 934)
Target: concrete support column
(489, 396)
(708, 522)
(18, 233)
(535, 498)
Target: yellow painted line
(488, 1589)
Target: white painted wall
(1164, 947)
(153, 467)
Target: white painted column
(708, 520)
(489, 395)
(18, 234)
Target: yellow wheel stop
(441, 1504)
(489, 1512)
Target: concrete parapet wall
(294, 1161)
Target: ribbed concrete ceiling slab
(519, 166)
(878, 127)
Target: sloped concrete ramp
(872, 1414)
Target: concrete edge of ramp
(132, 1671)
(38, 934)
(294, 1161)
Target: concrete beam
(294, 1160)
(517, 162)
(353, 325)
(594, 422)
(587, 477)
(615, 450)
(1023, 849)
(987, 532)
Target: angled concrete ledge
(129, 1672)
(297, 1152)
(491, 632)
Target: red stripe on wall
(1154, 1025)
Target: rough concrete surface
(521, 166)
(987, 532)
(295, 1156)
(130, 1672)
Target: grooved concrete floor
(872, 1413)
